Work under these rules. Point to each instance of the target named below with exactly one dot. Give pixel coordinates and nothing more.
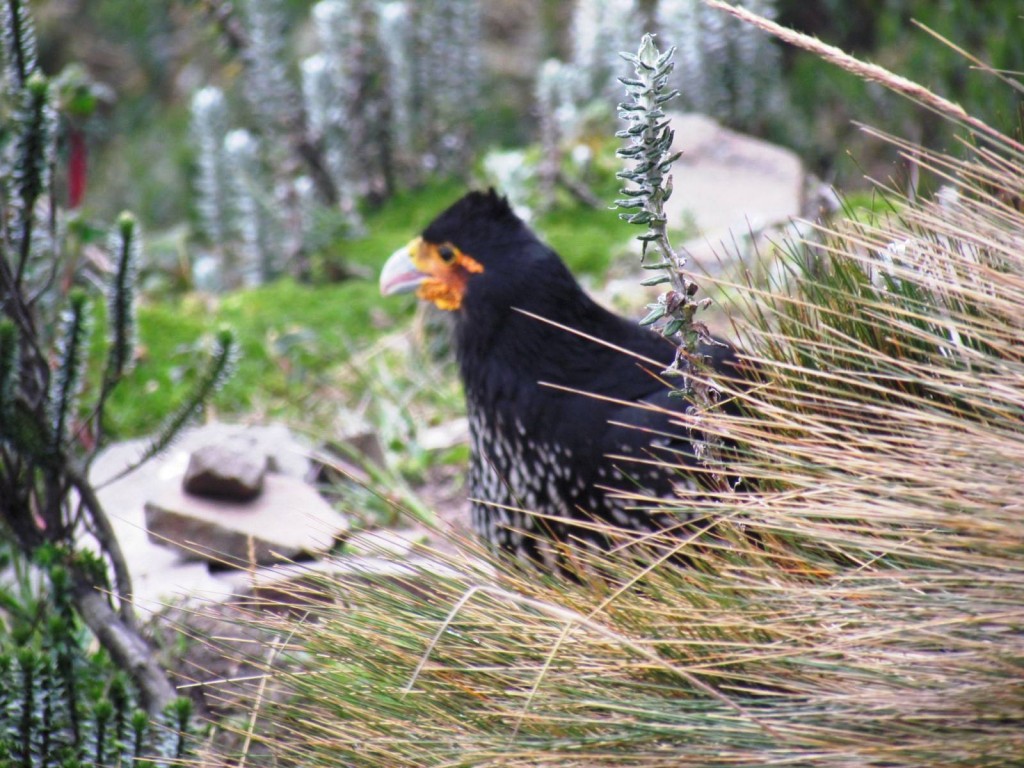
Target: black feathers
(538, 444)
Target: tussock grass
(860, 604)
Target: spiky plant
(257, 224)
(292, 163)
(53, 402)
(61, 702)
(726, 69)
(326, 117)
(557, 96)
(454, 73)
(860, 607)
(269, 92)
(599, 28)
(649, 155)
(214, 201)
(348, 95)
(434, 88)
(240, 218)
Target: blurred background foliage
(134, 73)
(153, 56)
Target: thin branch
(124, 644)
(107, 538)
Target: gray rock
(367, 446)
(727, 183)
(733, 196)
(286, 452)
(288, 521)
(350, 458)
(231, 470)
(159, 572)
(362, 446)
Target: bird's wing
(649, 439)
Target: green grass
(392, 225)
(290, 336)
(585, 237)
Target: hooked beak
(400, 274)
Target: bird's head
(477, 252)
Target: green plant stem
(33, 146)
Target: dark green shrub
(63, 701)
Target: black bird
(538, 444)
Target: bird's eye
(447, 254)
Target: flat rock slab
(288, 521)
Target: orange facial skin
(447, 270)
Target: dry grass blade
(866, 71)
(1016, 85)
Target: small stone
(348, 458)
(233, 469)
